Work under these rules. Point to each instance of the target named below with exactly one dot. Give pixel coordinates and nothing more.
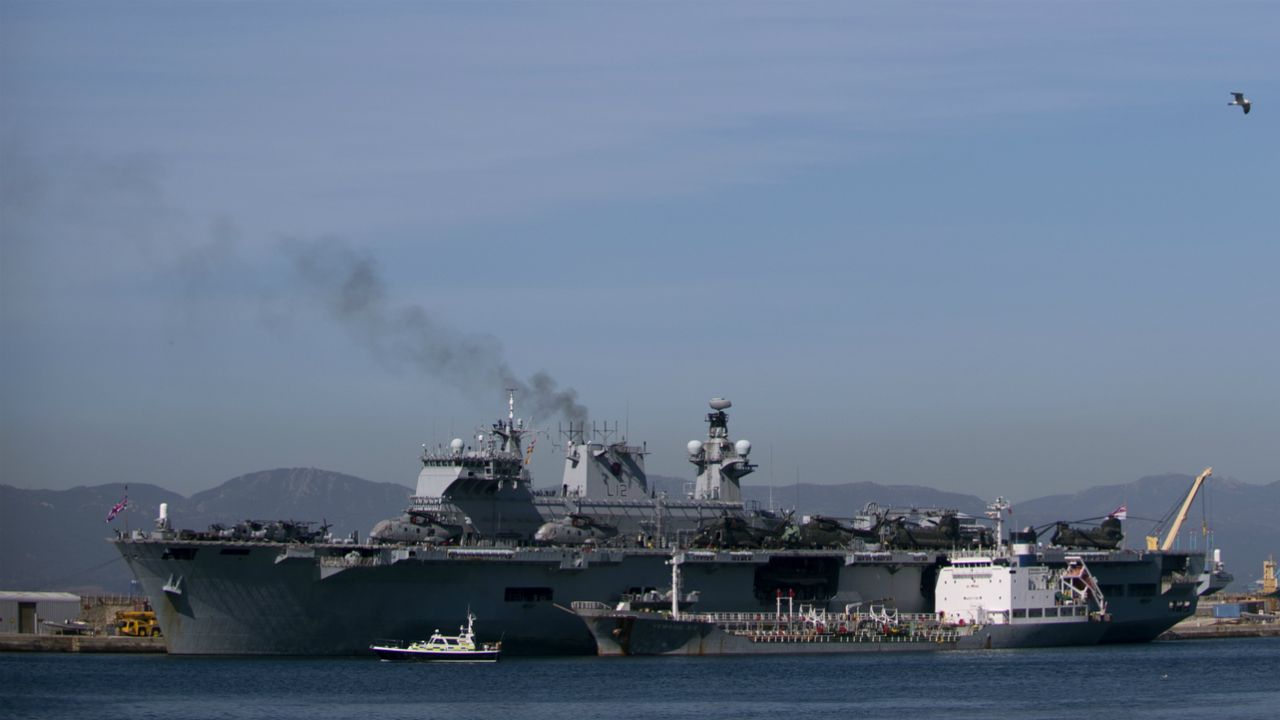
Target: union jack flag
(1120, 513)
(118, 508)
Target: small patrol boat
(460, 648)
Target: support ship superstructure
(467, 544)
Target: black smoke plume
(349, 286)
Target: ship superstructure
(721, 462)
(484, 486)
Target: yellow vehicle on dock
(137, 623)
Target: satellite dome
(719, 403)
(743, 447)
(456, 444)
(694, 447)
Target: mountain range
(56, 539)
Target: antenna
(772, 481)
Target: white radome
(719, 403)
(456, 444)
(694, 447)
(743, 447)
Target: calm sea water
(1206, 680)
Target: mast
(720, 462)
(676, 560)
(995, 511)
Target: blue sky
(1018, 248)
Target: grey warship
(478, 537)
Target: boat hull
(640, 634)
(620, 633)
(397, 654)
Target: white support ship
(1020, 603)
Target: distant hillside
(55, 539)
(347, 502)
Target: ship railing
(991, 554)
(477, 552)
(872, 555)
(349, 560)
(939, 637)
(816, 619)
(1056, 553)
(641, 502)
(588, 605)
(931, 631)
(699, 555)
(879, 556)
(469, 458)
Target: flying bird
(1242, 101)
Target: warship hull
(1147, 592)
(266, 598)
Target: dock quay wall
(1186, 631)
(19, 642)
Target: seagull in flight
(1242, 101)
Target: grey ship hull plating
(232, 598)
(268, 598)
(1147, 592)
